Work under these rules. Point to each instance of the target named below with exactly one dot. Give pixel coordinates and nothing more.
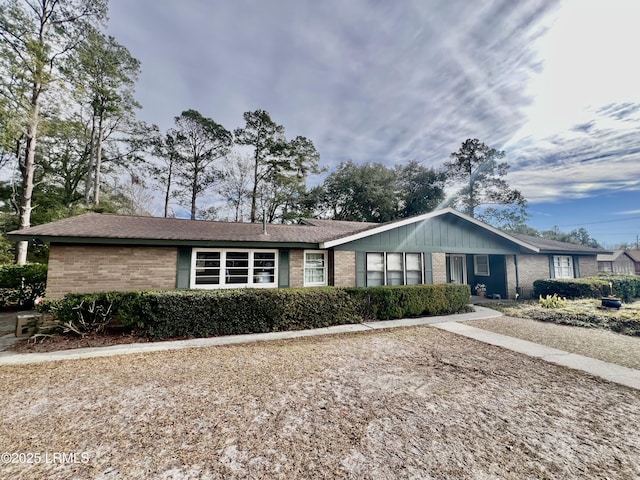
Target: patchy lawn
(402, 403)
(591, 342)
(582, 313)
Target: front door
(457, 269)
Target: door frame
(450, 271)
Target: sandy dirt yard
(413, 403)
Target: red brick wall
(96, 268)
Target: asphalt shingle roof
(546, 245)
(93, 227)
(97, 226)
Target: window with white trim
(315, 268)
(375, 269)
(394, 268)
(481, 265)
(213, 268)
(563, 266)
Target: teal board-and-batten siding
(447, 234)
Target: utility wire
(603, 221)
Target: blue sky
(553, 83)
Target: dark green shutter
(361, 269)
(283, 268)
(183, 274)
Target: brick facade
(439, 266)
(536, 267)
(344, 268)
(296, 268)
(588, 266)
(530, 269)
(96, 268)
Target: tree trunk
(254, 193)
(98, 165)
(471, 208)
(194, 194)
(168, 192)
(90, 165)
(27, 173)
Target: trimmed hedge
(198, 313)
(386, 303)
(624, 286)
(20, 285)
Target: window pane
(264, 260)
(481, 263)
(314, 272)
(312, 275)
(237, 275)
(395, 278)
(394, 261)
(237, 259)
(207, 268)
(563, 266)
(414, 268)
(375, 279)
(414, 277)
(315, 259)
(264, 265)
(414, 261)
(237, 264)
(375, 262)
(263, 276)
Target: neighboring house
(619, 262)
(635, 256)
(98, 252)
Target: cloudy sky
(555, 84)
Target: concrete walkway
(451, 323)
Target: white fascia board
(426, 216)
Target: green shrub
(191, 313)
(385, 303)
(20, 285)
(205, 313)
(624, 286)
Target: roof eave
(166, 242)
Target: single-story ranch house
(99, 252)
(619, 262)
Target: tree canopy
(476, 171)
(373, 192)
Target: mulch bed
(67, 342)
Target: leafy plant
(91, 318)
(552, 301)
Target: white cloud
(553, 83)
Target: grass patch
(582, 313)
